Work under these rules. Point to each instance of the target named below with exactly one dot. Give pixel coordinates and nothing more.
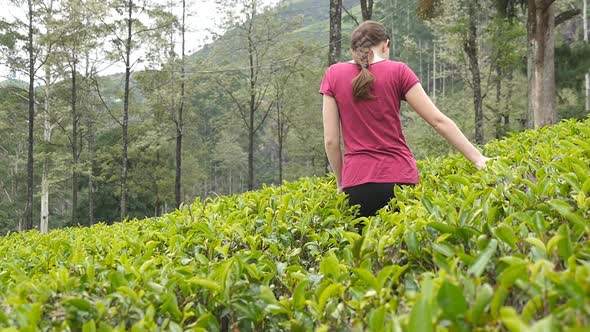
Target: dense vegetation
(505, 247)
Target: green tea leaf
(451, 300)
(482, 260)
(482, 300)
(421, 317)
(511, 320)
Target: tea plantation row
(505, 248)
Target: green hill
(502, 248)
(312, 19)
(14, 83)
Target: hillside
(312, 24)
(502, 248)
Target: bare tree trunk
(393, 48)
(471, 49)
(420, 56)
(367, 9)
(586, 32)
(507, 109)
(28, 218)
(541, 63)
(433, 72)
(335, 47)
(428, 86)
(75, 154)
(158, 202)
(281, 136)
(252, 110)
(180, 124)
(91, 172)
(47, 128)
(125, 123)
(499, 112)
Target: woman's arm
(331, 120)
(421, 103)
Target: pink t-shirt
(375, 147)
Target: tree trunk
(428, 86)
(91, 172)
(335, 48)
(179, 124)
(507, 109)
(125, 123)
(252, 110)
(281, 137)
(251, 151)
(158, 202)
(28, 218)
(75, 154)
(471, 49)
(433, 72)
(498, 109)
(367, 9)
(47, 128)
(420, 57)
(586, 32)
(541, 63)
(393, 46)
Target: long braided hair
(367, 35)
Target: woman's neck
(378, 55)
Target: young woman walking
(362, 99)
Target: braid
(363, 38)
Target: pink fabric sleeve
(407, 80)
(326, 86)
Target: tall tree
(461, 19)
(335, 48)
(179, 120)
(129, 33)
(541, 23)
(470, 46)
(367, 9)
(28, 222)
(48, 125)
(28, 35)
(281, 82)
(255, 36)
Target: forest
(81, 144)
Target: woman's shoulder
(395, 64)
(342, 65)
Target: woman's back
(376, 150)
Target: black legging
(371, 196)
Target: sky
(203, 17)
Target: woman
(362, 98)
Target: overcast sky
(203, 18)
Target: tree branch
(264, 117)
(350, 14)
(566, 16)
(235, 100)
(104, 102)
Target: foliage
(464, 250)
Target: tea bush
(466, 250)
